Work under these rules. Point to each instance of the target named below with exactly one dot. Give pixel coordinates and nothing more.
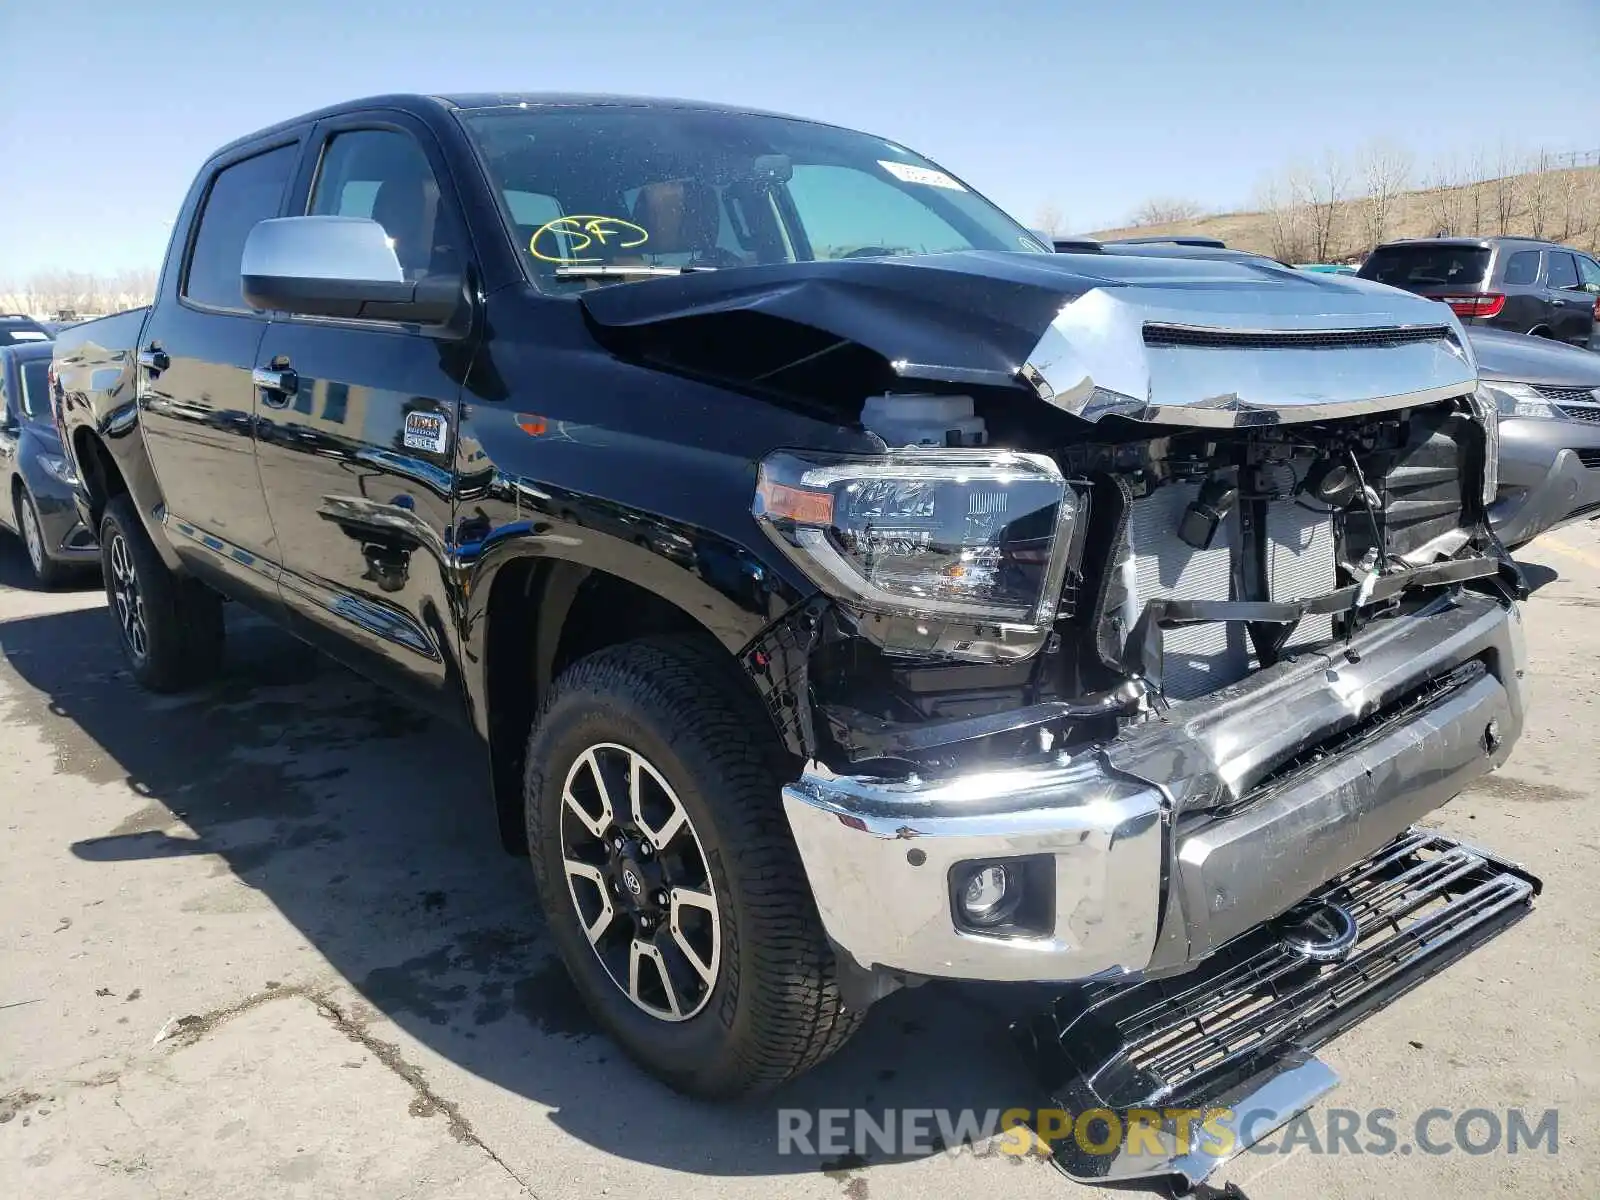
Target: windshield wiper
(601, 271)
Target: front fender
(722, 586)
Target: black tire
(181, 618)
(773, 1011)
(47, 572)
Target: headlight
(1485, 406)
(58, 468)
(1520, 400)
(960, 553)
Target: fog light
(991, 894)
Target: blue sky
(107, 108)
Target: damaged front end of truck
(1139, 670)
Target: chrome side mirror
(338, 267)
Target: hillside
(1563, 205)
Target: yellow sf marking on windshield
(580, 233)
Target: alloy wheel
(32, 536)
(640, 882)
(127, 598)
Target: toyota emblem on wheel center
(1322, 932)
(631, 881)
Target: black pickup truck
(849, 591)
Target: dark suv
(1520, 284)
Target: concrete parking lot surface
(260, 941)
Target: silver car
(1549, 397)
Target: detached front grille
(1259, 1006)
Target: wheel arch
(534, 613)
(108, 471)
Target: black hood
(959, 317)
(1519, 358)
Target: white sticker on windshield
(924, 175)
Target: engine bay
(1197, 558)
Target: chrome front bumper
(1186, 830)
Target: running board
(1238, 1031)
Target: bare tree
(1320, 190)
(46, 293)
(1167, 210)
(1287, 220)
(1579, 191)
(1049, 218)
(1541, 191)
(1445, 199)
(1385, 175)
(1506, 187)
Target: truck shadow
(370, 828)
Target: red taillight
(1488, 304)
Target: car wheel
(1540, 332)
(674, 892)
(47, 573)
(170, 628)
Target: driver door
(357, 429)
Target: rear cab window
(241, 195)
(1427, 266)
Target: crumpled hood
(1178, 341)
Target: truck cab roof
(420, 104)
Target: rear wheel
(665, 866)
(47, 573)
(170, 628)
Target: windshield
(36, 389)
(1427, 266)
(614, 186)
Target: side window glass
(1522, 267)
(1563, 272)
(1589, 270)
(241, 196)
(384, 175)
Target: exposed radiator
(1201, 658)
(1300, 563)
(1198, 658)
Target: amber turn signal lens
(800, 505)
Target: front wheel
(47, 573)
(170, 628)
(674, 892)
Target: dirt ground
(260, 941)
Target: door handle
(154, 358)
(276, 386)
